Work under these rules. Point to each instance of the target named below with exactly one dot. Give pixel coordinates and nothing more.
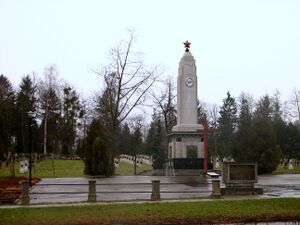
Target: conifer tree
(242, 150)
(267, 152)
(292, 142)
(154, 143)
(125, 140)
(7, 112)
(26, 102)
(227, 123)
(71, 112)
(97, 157)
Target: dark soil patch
(11, 188)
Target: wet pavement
(119, 188)
(131, 188)
(283, 185)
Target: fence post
(25, 193)
(216, 191)
(92, 197)
(155, 190)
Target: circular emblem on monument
(189, 82)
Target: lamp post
(30, 116)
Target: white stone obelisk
(187, 102)
(186, 145)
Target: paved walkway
(75, 190)
(284, 185)
(139, 188)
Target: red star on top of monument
(187, 45)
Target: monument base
(190, 163)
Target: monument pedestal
(186, 151)
(239, 179)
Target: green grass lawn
(67, 168)
(44, 168)
(214, 212)
(281, 170)
(126, 169)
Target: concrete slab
(72, 190)
(282, 185)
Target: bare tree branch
(126, 82)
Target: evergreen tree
(292, 143)
(125, 140)
(154, 143)
(279, 125)
(71, 112)
(93, 131)
(101, 158)
(266, 151)
(7, 113)
(136, 144)
(136, 141)
(227, 123)
(98, 158)
(243, 137)
(26, 102)
(105, 110)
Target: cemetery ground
(167, 211)
(282, 170)
(193, 212)
(68, 168)
(74, 168)
(71, 171)
(10, 187)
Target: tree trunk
(45, 127)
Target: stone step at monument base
(190, 164)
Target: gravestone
(291, 166)
(239, 179)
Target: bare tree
(165, 102)
(250, 100)
(85, 118)
(213, 115)
(202, 112)
(295, 101)
(50, 74)
(286, 111)
(127, 82)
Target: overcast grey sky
(251, 46)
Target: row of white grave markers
(289, 164)
(140, 159)
(292, 163)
